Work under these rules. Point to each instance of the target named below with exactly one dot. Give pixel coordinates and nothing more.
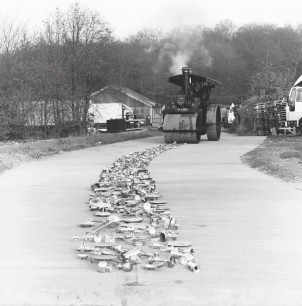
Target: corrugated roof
(130, 93)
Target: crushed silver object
(133, 224)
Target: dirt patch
(279, 156)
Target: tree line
(47, 76)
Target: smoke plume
(183, 48)
(179, 60)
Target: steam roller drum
(182, 128)
(213, 122)
(168, 137)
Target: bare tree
(11, 36)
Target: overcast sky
(129, 16)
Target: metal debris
(103, 267)
(132, 224)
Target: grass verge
(13, 154)
(279, 156)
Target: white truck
(294, 107)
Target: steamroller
(191, 115)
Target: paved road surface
(245, 226)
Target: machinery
(274, 116)
(191, 115)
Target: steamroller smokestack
(186, 71)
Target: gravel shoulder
(280, 157)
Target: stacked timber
(279, 108)
(262, 118)
(269, 117)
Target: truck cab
(294, 105)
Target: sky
(126, 17)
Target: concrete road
(246, 229)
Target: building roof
(128, 92)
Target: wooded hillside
(55, 69)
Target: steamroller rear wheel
(213, 123)
(182, 128)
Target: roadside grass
(279, 156)
(13, 154)
(293, 154)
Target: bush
(245, 127)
